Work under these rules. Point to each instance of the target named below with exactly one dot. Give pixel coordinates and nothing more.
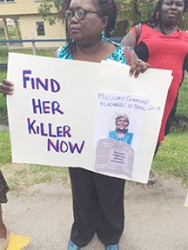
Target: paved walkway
(155, 217)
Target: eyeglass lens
(78, 13)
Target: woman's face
(89, 28)
(122, 123)
(171, 12)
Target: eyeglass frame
(76, 10)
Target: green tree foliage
(130, 12)
(133, 11)
(50, 10)
(184, 24)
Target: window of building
(40, 28)
(6, 1)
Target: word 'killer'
(47, 129)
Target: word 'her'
(46, 107)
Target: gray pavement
(155, 218)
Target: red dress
(166, 52)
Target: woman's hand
(6, 87)
(137, 65)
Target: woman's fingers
(138, 66)
(6, 87)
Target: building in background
(23, 14)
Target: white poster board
(62, 111)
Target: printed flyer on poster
(81, 114)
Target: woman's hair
(104, 8)
(116, 120)
(107, 8)
(153, 20)
(122, 116)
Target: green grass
(5, 149)
(3, 107)
(172, 157)
(3, 75)
(39, 52)
(182, 109)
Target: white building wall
(29, 31)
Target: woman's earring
(71, 40)
(182, 19)
(102, 36)
(157, 15)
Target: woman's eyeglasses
(78, 13)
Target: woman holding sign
(97, 199)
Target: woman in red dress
(160, 42)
